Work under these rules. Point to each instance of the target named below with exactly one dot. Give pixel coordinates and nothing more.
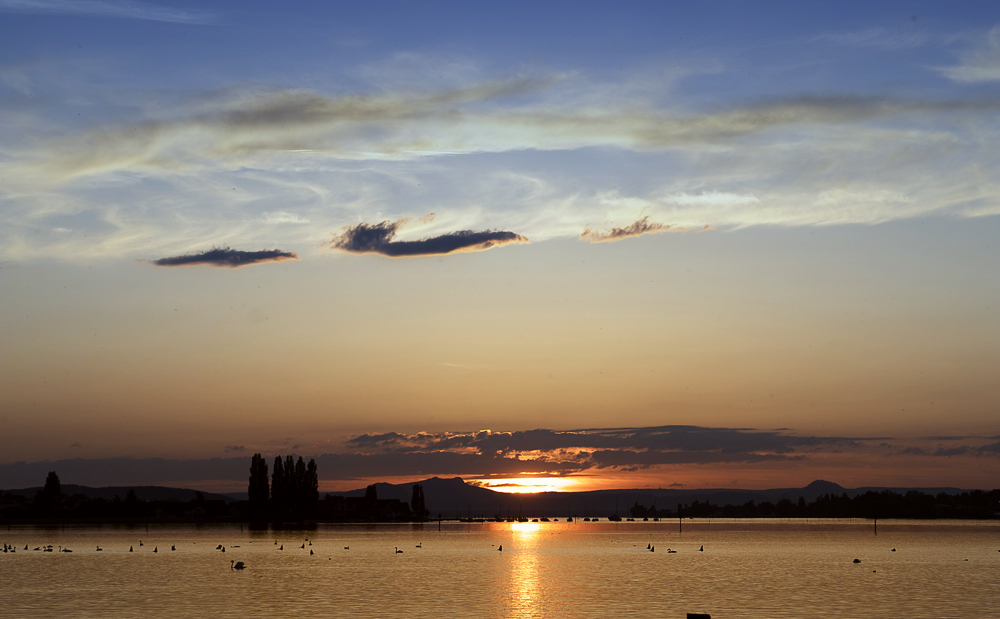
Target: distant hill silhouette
(454, 498)
(143, 493)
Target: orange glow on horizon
(521, 485)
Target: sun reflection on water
(523, 585)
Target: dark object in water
(857, 560)
(699, 616)
(894, 550)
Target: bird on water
(398, 551)
(236, 565)
(500, 548)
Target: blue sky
(457, 216)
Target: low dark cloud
(959, 450)
(485, 454)
(993, 449)
(672, 438)
(365, 238)
(637, 228)
(226, 257)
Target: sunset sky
(630, 244)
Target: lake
(759, 568)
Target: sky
(535, 245)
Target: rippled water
(748, 569)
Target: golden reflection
(523, 576)
(526, 531)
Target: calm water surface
(748, 569)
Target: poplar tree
(301, 485)
(291, 489)
(417, 503)
(278, 488)
(312, 485)
(257, 489)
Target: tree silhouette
(278, 487)
(371, 493)
(299, 503)
(294, 486)
(417, 504)
(312, 483)
(52, 489)
(257, 488)
(48, 498)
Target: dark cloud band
(378, 238)
(226, 257)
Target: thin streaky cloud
(981, 63)
(397, 125)
(130, 10)
(884, 38)
(226, 257)
(636, 228)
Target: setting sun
(520, 485)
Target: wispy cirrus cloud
(226, 257)
(227, 159)
(104, 8)
(979, 63)
(364, 238)
(464, 120)
(883, 38)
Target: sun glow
(519, 485)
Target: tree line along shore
(288, 494)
